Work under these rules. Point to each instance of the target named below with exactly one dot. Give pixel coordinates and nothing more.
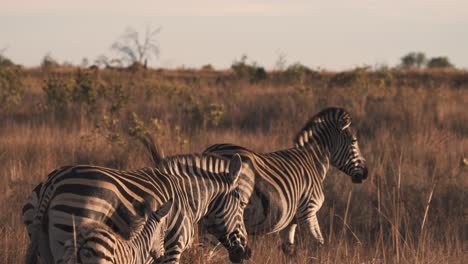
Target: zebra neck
(200, 196)
(139, 246)
(320, 156)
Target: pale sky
(332, 34)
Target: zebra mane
(203, 162)
(196, 159)
(328, 117)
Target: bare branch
(133, 50)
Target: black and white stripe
(96, 243)
(83, 194)
(284, 188)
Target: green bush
(295, 73)
(214, 113)
(439, 63)
(81, 90)
(207, 67)
(118, 98)
(6, 62)
(10, 87)
(251, 72)
(49, 62)
(58, 93)
(85, 90)
(359, 76)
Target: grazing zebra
(201, 186)
(96, 243)
(284, 188)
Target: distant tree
(207, 67)
(101, 61)
(281, 61)
(84, 62)
(413, 59)
(135, 50)
(11, 87)
(48, 61)
(420, 59)
(252, 72)
(4, 61)
(439, 62)
(295, 73)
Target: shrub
(214, 113)
(10, 87)
(252, 72)
(85, 90)
(207, 67)
(295, 73)
(49, 62)
(439, 62)
(58, 92)
(82, 90)
(358, 76)
(118, 97)
(5, 62)
(413, 59)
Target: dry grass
(413, 130)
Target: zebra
(29, 208)
(96, 243)
(284, 188)
(202, 186)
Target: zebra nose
(360, 175)
(238, 254)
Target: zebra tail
(150, 145)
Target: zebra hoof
(288, 249)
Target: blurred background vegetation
(411, 120)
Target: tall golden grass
(412, 128)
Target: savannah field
(412, 128)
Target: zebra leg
(171, 255)
(31, 253)
(312, 225)
(287, 236)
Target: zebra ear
(235, 167)
(344, 122)
(164, 209)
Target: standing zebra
(284, 188)
(202, 186)
(96, 243)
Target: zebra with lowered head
(96, 243)
(283, 189)
(201, 186)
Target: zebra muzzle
(239, 253)
(359, 177)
